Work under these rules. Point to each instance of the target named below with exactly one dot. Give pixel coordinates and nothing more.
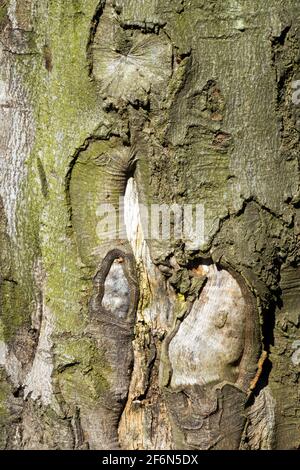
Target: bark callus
(112, 326)
(212, 360)
(207, 417)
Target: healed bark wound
(130, 342)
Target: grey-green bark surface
(184, 101)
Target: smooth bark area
(133, 342)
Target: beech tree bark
(134, 342)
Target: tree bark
(136, 342)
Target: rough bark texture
(133, 343)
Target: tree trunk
(139, 341)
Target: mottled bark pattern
(128, 342)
